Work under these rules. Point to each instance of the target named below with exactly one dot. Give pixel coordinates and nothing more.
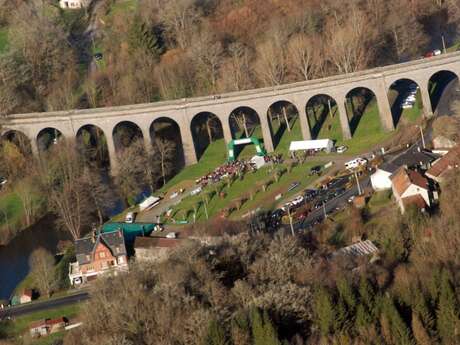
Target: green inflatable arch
(260, 151)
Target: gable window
(102, 255)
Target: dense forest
(166, 49)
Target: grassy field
(11, 211)
(19, 326)
(330, 129)
(3, 40)
(250, 184)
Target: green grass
(287, 137)
(20, 325)
(3, 40)
(242, 188)
(368, 133)
(11, 211)
(379, 200)
(215, 155)
(331, 128)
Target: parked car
(407, 105)
(171, 235)
(341, 149)
(173, 195)
(3, 181)
(196, 191)
(355, 163)
(316, 170)
(98, 56)
(130, 217)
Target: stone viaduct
(182, 111)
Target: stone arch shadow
(438, 83)
(92, 144)
(244, 122)
(47, 137)
(205, 127)
(357, 103)
(286, 114)
(318, 108)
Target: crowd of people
(235, 168)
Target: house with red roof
(451, 160)
(411, 188)
(45, 327)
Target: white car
(355, 163)
(436, 52)
(341, 149)
(130, 217)
(173, 195)
(296, 201)
(196, 191)
(407, 105)
(410, 98)
(171, 235)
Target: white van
(130, 216)
(355, 163)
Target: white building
(74, 4)
(410, 188)
(381, 180)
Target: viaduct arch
(182, 111)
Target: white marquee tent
(320, 144)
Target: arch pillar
(303, 117)
(386, 117)
(108, 133)
(34, 147)
(426, 100)
(344, 123)
(261, 111)
(187, 139)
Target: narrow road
(45, 305)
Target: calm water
(14, 257)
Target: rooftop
(358, 249)
(450, 160)
(403, 178)
(411, 158)
(416, 200)
(85, 247)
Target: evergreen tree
(142, 36)
(420, 334)
(346, 293)
(324, 310)
(447, 311)
(216, 334)
(398, 328)
(263, 330)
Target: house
(100, 253)
(451, 160)
(48, 326)
(410, 188)
(25, 296)
(73, 4)
(154, 248)
(414, 158)
(360, 248)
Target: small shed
(314, 145)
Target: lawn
(19, 325)
(330, 128)
(3, 40)
(250, 184)
(368, 133)
(215, 155)
(11, 211)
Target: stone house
(98, 254)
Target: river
(14, 257)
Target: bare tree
(347, 42)
(178, 17)
(301, 52)
(62, 175)
(41, 264)
(241, 122)
(207, 54)
(165, 151)
(236, 71)
(271, 62)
